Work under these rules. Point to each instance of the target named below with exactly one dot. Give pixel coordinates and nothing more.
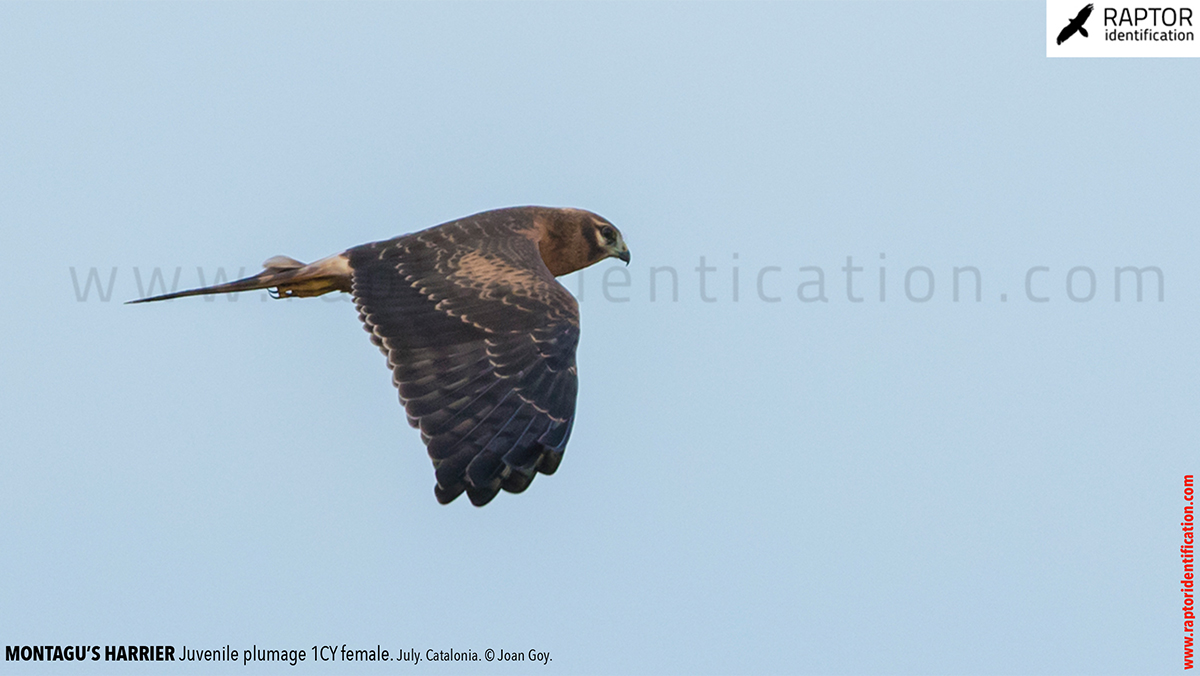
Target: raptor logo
(1076, 24)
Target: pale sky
(752, 485)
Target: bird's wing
(481, 341)
(1066, 32)
(1083, 15)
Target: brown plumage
(478, 334)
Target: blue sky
(885, 486)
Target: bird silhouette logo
(1076, 24)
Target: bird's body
(1076, 24)
(478, 334)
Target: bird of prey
(1076, 24)
(478, 333)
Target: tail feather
(289, 276)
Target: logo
(1076, 25)
(1122, 28)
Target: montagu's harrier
(479, 335)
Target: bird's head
(573, 239)
(611, 242)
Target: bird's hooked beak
(620, 250)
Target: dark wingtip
(481, 496)
(549, 462)
(516, 482)
(446, 496)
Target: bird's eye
(609, 234)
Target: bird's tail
(287, 276)
(1083, 31)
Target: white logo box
(1122, 29)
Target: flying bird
(1076, 24)
(478, 333)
